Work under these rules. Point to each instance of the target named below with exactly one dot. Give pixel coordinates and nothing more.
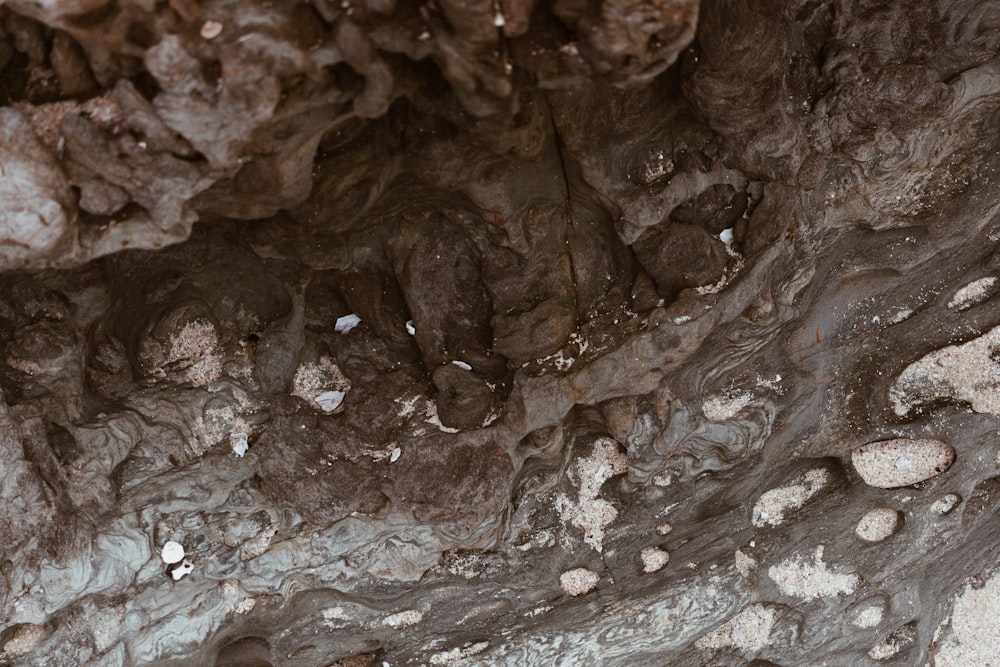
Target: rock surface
(499, 333)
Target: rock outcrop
(499, 333)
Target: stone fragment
(455, 485)
(403, 619)
(457, 653)
(868, 615)
(975, 633)
(878, 524)
(798, 578)
(578, 581)
(187, 350)
(35, 200)
(983, 498)
(464, 399)
(678, 256)
(725, 406)
(973, 293)
(745, 564)
(967, 373)
(899, 640)
(889, 464)
(749, 631)
(23, 640)
(945, 503)
(653, 559)
(70, 66)
(589, 512)
(715, 209)
(773, 505)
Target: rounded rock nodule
(578, 581)
(946, 503)
(889, 464)
(878, 524)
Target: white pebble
(182, 570)
(877, 524)
(173, 552)
(653, 559)
(900, 462)
(578, 581)
(461, 364)
(346, 323)
(396, 453)
(726, 236)
(329, 401)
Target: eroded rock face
(498, 333)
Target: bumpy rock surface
(498, 333)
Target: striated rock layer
(499, 333)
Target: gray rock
(658, 362)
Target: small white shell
(182, 570)
(173, 552)
(410, 329)
(238, 441)
(329, 401)
(211, 29)
(461, 364)
(396, 453)
(346, 323)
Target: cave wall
(499, 333)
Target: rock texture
(498, 333)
